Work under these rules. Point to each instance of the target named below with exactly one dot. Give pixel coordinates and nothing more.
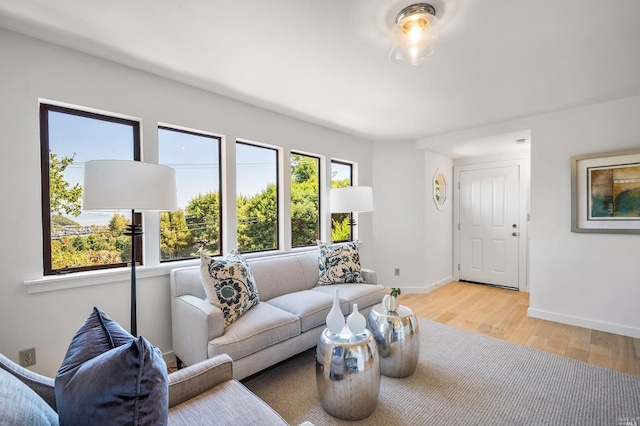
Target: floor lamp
(129, 185)
(351, 199)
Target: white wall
(31, 70)
(409, 232)
(438, 262)
(591, 280)
(398, 217)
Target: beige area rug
(468, 379)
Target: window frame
(44, 110)
(278, 189)
(351, 226)
(320, 204)
(220, 197)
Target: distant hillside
(59, 221)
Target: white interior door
(489, 228)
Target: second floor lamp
(351, 199)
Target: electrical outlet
(27, 357)
(397, 272)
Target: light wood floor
(502, 314)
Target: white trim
(585, 323)
(94, 111)
(427, 289)
(102, 276)
(441, 282)
(197, 132)
(523, 257)
(169, 357)
(114, 275)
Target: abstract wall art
(605, 191)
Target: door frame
(523, 215)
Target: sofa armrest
(196, 379)
(194, 323)
(369, 276)
(42, 385)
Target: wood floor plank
(521, 334)
(623, 353)
(558, 341)
(636, 345)
(600, 355)
(580, 339)
(502, 313)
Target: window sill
(105, 276)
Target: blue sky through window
(195, 160)
(88, 139)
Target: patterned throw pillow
(339, 264)
(229, 285)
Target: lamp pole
(133, 230)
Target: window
(341, 176)
(305, 200)
(196, 225)
(75, 240)
(257, 197)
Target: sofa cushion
(363, 294)
(110, 377)
(339, 264)
(310, 306)
(20, 405)
(229, 285)
(258, 328)
(229, 403)
(278, 275)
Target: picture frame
(605, 192)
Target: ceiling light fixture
(415, 36)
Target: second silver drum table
(398, 339)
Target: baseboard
(169, 357)
(586, 323)
(428, 288)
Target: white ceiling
(327, 61)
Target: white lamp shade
(352, 199)
(128, 185)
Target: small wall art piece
(605, 192)
(440, 190)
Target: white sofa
(288, 320)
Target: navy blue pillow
(110, 377)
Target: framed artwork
(605, 192)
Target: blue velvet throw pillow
(109, 377)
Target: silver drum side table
(348, 374)
(398, 339)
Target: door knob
(515, 234)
